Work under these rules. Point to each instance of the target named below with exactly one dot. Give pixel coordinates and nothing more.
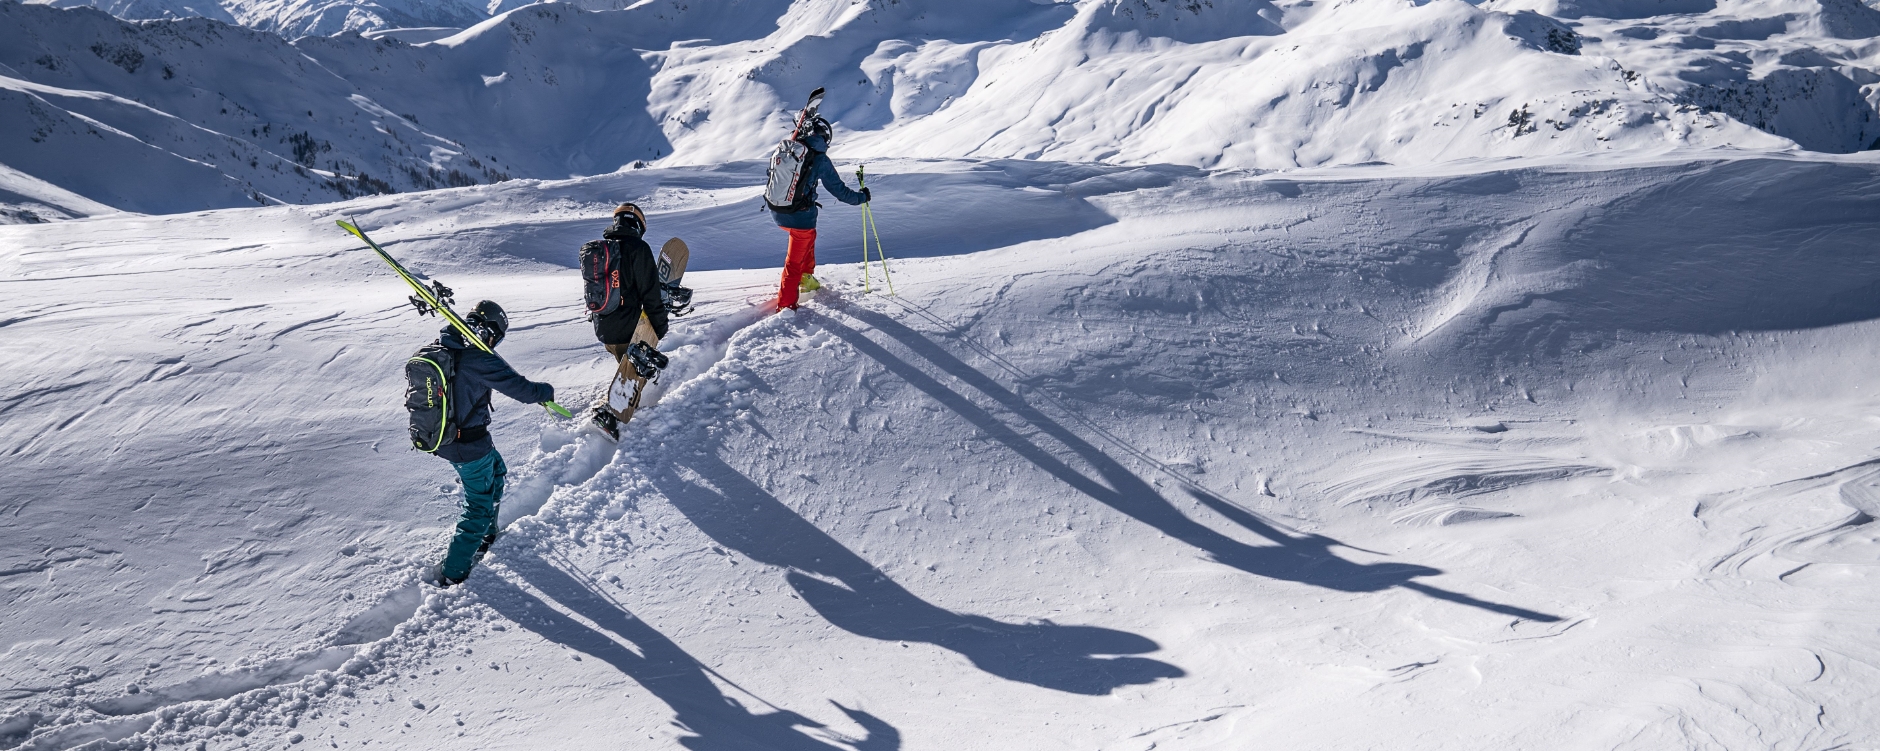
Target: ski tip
(817, 93)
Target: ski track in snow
(1251, 457)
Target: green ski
(434, 299)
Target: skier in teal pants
(473, 453)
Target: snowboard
(625, 392)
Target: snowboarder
(472, 452)
(799, 217)
(622, 281)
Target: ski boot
(809, 284)
(484, 549)
(439, 580)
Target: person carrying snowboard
(622, 286)
(470, 450)
(798, 217)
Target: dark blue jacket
(821, 170)
(477, 373)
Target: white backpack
(786, 173)
(789, 161)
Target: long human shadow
(660, 666)
(1304, 558)
(738, 514)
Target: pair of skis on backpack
(641, 363)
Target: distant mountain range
(235, 103)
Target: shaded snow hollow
(1477, 456)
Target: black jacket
(477, 373)
(639, 293)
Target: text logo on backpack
(427, 396)
(600, 277)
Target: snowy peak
(205, 103)
(1188, 21)
(555, 90)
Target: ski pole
(868, 219)
(868, 228)
(859, 181)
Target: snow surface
(1298, 374)
(1504, 454)
(223, 116)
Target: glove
(865, 196)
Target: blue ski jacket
(821, 170)
(479, 372)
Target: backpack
(787, 165)
(600, 276)
(428, 377)
(790, 161)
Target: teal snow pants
(482, 496)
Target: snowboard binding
(647, 362)
(605, 419)
(678, 299)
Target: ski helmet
(489, 321)
(820, 127)
(630, 218)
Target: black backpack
(600, 276)
(428, 378)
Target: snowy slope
(228, 116)
(28, 200)
(1479, 456)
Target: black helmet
(820, 127)
(628, 220)
(489, 321)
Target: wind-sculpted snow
(1324, 459)
(226, 116)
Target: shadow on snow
(1303, 558)
(660, 666)
(738, 514)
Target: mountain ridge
(236, 116)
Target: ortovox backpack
(428, 377)
(600, 276)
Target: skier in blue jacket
(473, 454)
(799, 218)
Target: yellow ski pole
(880, 252)
(862, 183)
(869, 228)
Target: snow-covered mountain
(225, 116)
(1292, 374)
